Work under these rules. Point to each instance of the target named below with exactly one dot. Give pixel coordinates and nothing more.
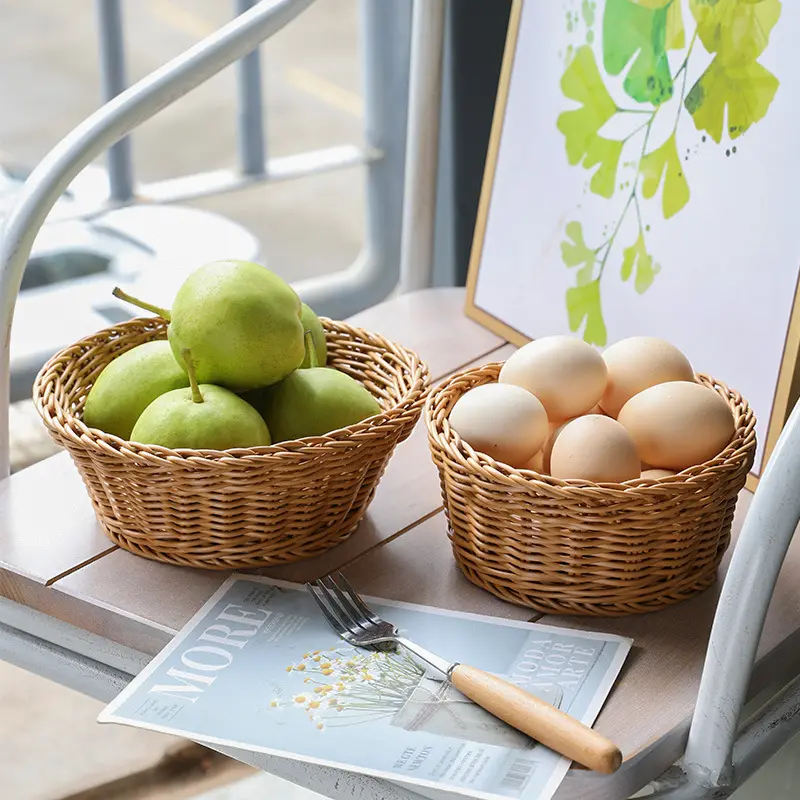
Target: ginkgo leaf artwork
(583, 308)
(575, 252)
(645, 77)
(583, 83)
(605, 153)
(735, 30)
(635, 41)
(637, 261)
(745, 91)
(662, 167)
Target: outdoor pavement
(50, 745)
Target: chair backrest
(760, 550)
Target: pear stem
(311, 350)
(162, 312)
(197, 396)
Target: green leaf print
(736, 30)
(574, 251)
(638, 31)
(636, 256)
(583, 306)
(652, 51)
(582, 82)
(664, 165)
(606, 153)
(747, 91)
(676, 35)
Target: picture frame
(749, 335)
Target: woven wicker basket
(575, 547)
(233, 509)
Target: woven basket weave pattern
(239, 508)
(572, 547)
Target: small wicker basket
(233, 509)
(576, 547)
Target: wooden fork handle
(538, 719)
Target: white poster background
(729, 259)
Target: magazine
(258, 668)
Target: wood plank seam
(378, 545)
(76, 567)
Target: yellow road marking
(304, 80)
(329, 93)
(181, 19)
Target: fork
(359, 626)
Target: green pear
(241, 322)
(203, 417)
(313, 402)
(311, 323)
(129, 383)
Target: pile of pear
(244, 365)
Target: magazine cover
(259, 668)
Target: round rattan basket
(576, 547)
(233, 509)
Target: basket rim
(391, 417)
(740, 449)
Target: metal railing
(254, 166)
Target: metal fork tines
(348, 614)
(357, 624)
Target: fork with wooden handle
(350, 617)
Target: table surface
(54, 558)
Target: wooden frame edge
(470, 309)
(787, 386)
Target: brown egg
(564, 372)
(502, 421)
(678, 424)
(637, 363)
(594, 448)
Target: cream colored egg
(554, 429)
(565, 373)
(502, 421)
(637, 363)
(536, 463)
(678, 424)
(657, 474)
(594, 448)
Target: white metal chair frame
(721, 752)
